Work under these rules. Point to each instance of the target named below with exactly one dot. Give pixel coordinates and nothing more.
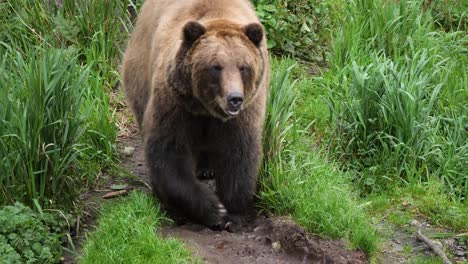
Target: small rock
(276, 245)
(459, 253)
(251, 236)
(414, 223)
(259, 238)
(128, 151)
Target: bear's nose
(235, 100)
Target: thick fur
(181, 61)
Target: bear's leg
(204, 171)
(236, 168)
(171, 168)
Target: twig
(433, 246)
(114, 194)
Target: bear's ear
(193, 31)
(254, 32)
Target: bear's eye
(243, 69)
(217, 68)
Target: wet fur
(180, 134)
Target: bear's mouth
(233, 112)
(225, 110)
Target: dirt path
(260, 240)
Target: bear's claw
(222, 210)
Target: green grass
(450, 14)
(40, 126)
(398, 98)
(58, 66)
(128, 232)
(386, 122)
(420, 200)
(297, 179)
(426, 260)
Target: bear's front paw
(233, 223)
(219, 217)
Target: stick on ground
(433, 246)
(114, 194)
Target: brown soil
(266, 240)
(260, 240)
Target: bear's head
(222, 64)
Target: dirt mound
(265, 240)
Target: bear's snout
(234, 103)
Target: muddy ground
(260, 240)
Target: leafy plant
(7, 252)
(25, 237)
(298, 28)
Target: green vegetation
(399, 98)
(382, 132)
(391, 109)
(28, 237)
(421, 260)
(449, 14)
(128, 232)
(58, 66)
(41, 124)
(297, 179)
(299, 28)
(411, 201)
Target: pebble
(128, 151)
(276, 245)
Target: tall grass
(297, 179)
(40, 124)
(58, 66)
(399, 96)
(282, 97)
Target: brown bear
(196, 75)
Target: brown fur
(177, 76)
